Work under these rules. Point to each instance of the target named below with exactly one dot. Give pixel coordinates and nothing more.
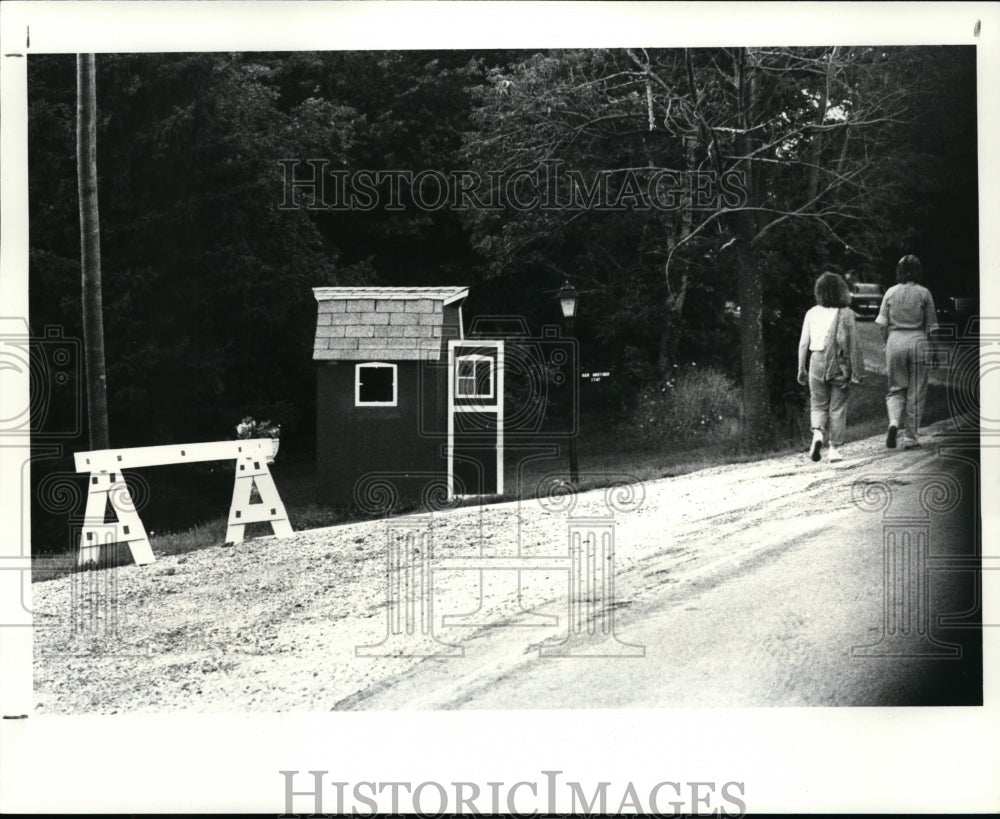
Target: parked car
(956, 309)
(866, 299)
(732, 311)
(955, 322)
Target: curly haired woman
(830, 361)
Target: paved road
(872, 346)
(780, 615)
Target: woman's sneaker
(833, 454)
(890, 437)
(816, 445)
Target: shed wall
(405, 442)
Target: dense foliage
(851, 156)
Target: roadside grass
(608, 455)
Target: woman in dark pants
(907, 315)
(828, 396)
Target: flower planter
(248, 428)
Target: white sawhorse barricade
(108, 485)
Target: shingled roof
(392, 323)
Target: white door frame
(496, 407)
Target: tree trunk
(816, 146)
(90, 250)
(673, 311)
(673, 308)
(756, 402)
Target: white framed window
(375, 384)
(474, 376)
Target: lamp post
(568, 298)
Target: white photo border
(791, 760)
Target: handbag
(838, 362)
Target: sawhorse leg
(102, 487)
(252, 470)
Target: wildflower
(249, 428)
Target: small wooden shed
(406, 407)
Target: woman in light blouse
(907, 315)
(817, 352)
